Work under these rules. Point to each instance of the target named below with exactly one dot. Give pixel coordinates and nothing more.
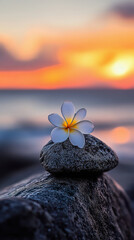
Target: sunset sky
(66, 44)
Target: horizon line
(61, 89)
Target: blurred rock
(95, 157)
(52, 208)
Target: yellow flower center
(68, 123)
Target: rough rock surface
(53, 208)
(96, 156)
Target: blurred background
(53, 51)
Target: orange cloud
(99, 59)
(54, 77)
(9, 62)
(48, 78)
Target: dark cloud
(124, 10)
(10, 63)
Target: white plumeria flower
(71, 125)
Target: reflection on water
(121, 135)
(121, 139)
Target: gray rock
(96, 156)
(53, 208)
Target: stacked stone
(96, 157)
(73, 200)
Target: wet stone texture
(54, 208)
(95, 157)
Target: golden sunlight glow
(105, 65)
(121, 67)
(85, 63)
(82, 59)
(120, 135)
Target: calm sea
(24, 126)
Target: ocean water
(24, 126)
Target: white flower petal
(84, 127)
(67, 110)
(77, 138)
(79, 115)
(56, 120)
(59, 134)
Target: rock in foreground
(95, 157)
(51, 208)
